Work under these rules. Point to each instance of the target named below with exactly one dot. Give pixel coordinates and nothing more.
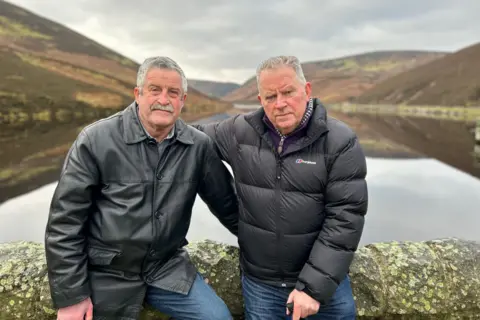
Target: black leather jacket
(121, 212)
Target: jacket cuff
(62, 298)
(300, 286)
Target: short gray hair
(159, 63)
(281, 61)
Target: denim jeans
(201, 303)
(269, 303)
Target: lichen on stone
(219, 263)
(436, 279)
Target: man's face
(162, 99)
(283, 97)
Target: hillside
(213, 88)
(451, 80)
(31, 42)
(54, 81)
(345, 78)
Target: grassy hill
(54, 81)
(451, 80)
(28, 40)
(343, 79)
(213, 88)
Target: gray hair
(281, 61)
(159, 63)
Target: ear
(259, 99)
(184, 98)
(308, 90)
(136, 93)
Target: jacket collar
(133, 130)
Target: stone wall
(437, 279)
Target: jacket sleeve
(217, 190)
(64, 237)
(222, 134)
(346, 202)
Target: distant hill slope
(53, 81)
(345, 78)
(451, 80)
(30, 42)
(213, 88)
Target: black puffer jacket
(121, 211)
(301, 213)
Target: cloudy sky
(225, 40)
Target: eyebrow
(289, 87)
(157, 86)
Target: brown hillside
(47, 45)
(345, 78)
(54, 81)
(213, 88)
(451, 80)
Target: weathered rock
(437, 279)
(24, 291)
(218, 263)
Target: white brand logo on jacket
(304, 161)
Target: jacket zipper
(278, 176)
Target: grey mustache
(157, 106)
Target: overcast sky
(225, 40)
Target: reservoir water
(415, 199)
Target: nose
(280, 102)
(163, 98)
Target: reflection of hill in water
(27, 163)
(409, 200)
(214, 118)
(35, 141)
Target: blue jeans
(269, 303)
(201, 303)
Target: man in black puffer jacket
(300, 179)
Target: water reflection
(409, 200)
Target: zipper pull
(280, 145)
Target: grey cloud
(213, 38)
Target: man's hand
(80, 311)
(303, 305)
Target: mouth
(155, 110)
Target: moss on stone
(436, 279)
(367, 284)
(219, 263)
(23, 276)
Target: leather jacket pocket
(100, 256)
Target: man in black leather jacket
(121, 211)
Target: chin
(286, 125)
(163, 119)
